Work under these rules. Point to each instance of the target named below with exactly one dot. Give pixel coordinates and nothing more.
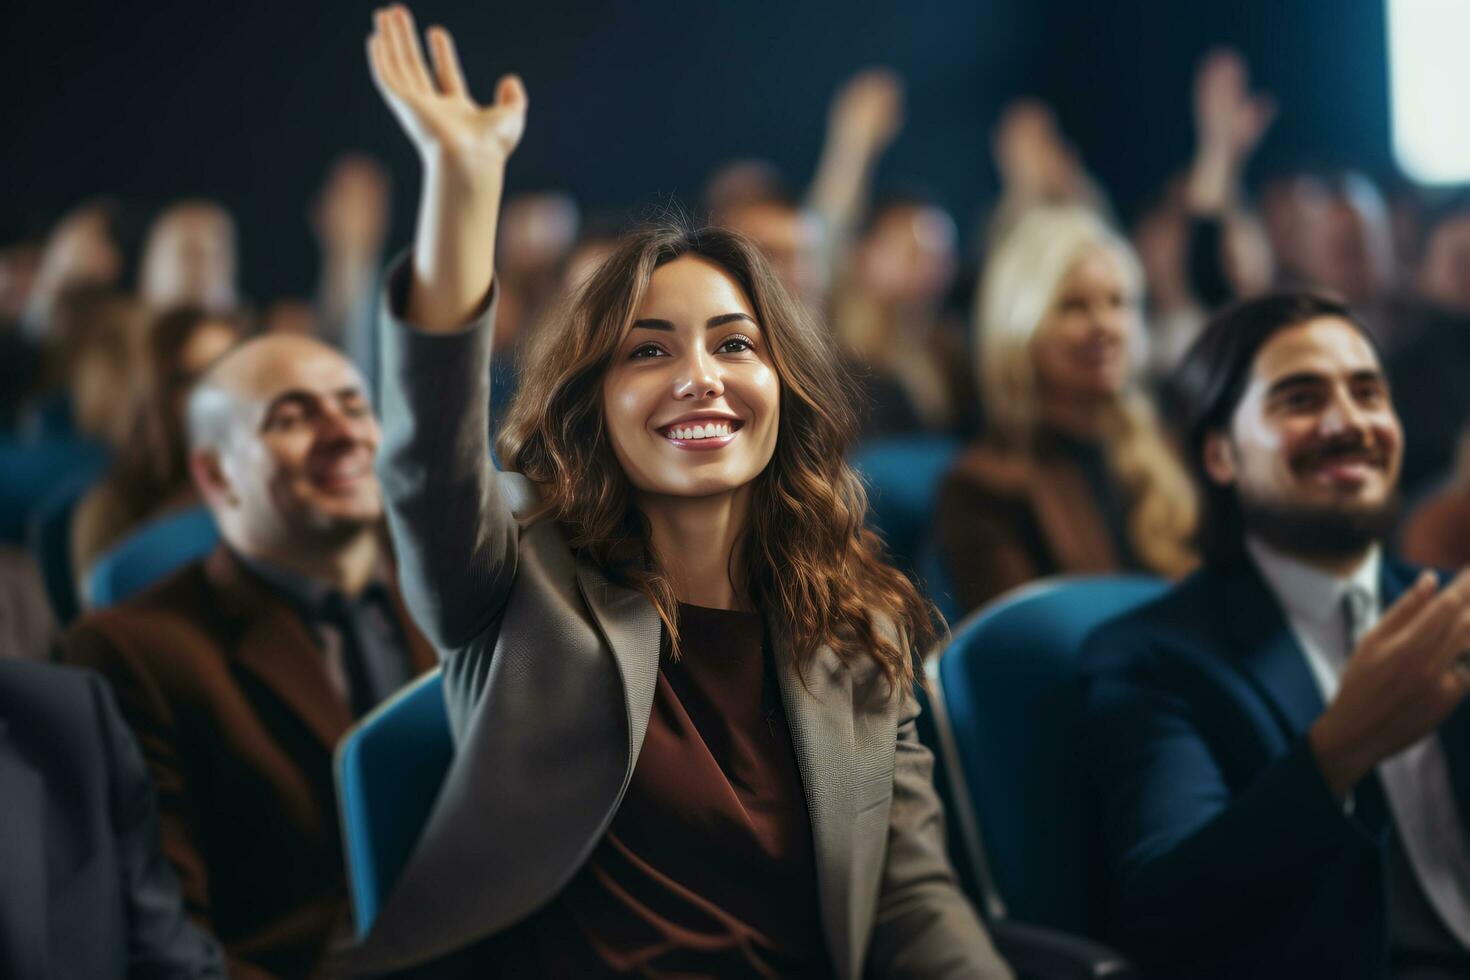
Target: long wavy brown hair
(809, 563)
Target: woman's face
(692, 398)
(1083, 346)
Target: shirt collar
(307, 595)
(1308, 592)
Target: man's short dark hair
(1210, 382)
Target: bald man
(240, 673)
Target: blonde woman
(1073, 474)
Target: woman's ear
(1219, 457)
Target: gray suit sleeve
(925, 927)
(453, 528)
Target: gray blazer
(549, 672)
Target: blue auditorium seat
(49, 538)
(150, 554)
(903, 476)
(1010, 692)
(31, 470)
(389, 769)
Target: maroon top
(707, 868)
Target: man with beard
(1278, 748)
(240, 673)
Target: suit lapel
(23, 885)
(275, 647)
(819, 715)
(632, 630)
(1267, 649)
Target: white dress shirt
(1417, 780)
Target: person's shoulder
(51, 698)
(1177, 615)
(153, 624)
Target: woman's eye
(735, 345)
(646, 350)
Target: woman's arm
(453, 526)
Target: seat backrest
(389, 770)
(903, 476)
(49, 538)
(1010, 688)
(31, 470)
(150, 554)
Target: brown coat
(226, 689)
(1005, 518)
(1437, 533)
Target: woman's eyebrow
(711, 323)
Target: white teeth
(714, 430)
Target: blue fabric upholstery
(31, 470)
(150, 554)
(50, 542)
(903, 478)
(1010, 687)
(389, 770)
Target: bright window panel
(1429, 77)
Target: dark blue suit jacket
(1223, 851)
(84, 888)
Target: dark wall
(630, 101)
(634, 101)
(1121, 73)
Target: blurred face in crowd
(692, 398)
(1444, 273)
(1083, 347)
(1345, 242)
(536, 233)
(289, 460)
(19, 264)
(1314, 447)
(908, 257)
(789, 238)
(189, 259)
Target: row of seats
(1004, 700)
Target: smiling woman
(677, 666)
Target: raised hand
(464, 147)
(1228, 118)
(438, 113)
(1403, 680)
(867, 111)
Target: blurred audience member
(83, 250)
(150, 472)
(241, 672)
(1228, 251)
(189, 259)
(888, 314)
(89, 354)
(790, 236)
(1346, 242)
(1276, 747)
(809, 241)
(87, 893)
(291, 316)
(1172, 311)
(350, 219)
(1437, 532)
(1037, 166)
(27, 624)
(1073, 473)
(1430, 369)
